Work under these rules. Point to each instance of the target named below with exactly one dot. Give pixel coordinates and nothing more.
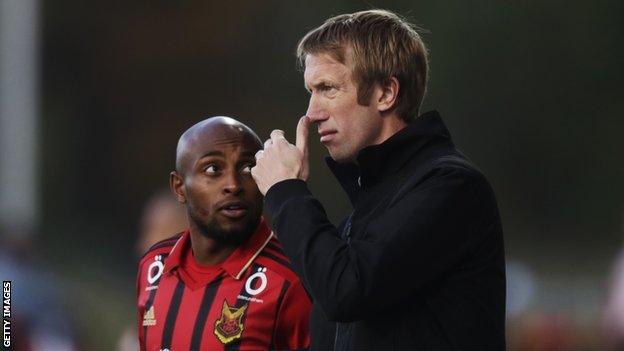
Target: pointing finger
(301, 141)
(303, 130)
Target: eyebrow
(320, 83)
(249, 154)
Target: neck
(208, 251)
(390, 125)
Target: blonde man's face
(345, 127)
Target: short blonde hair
(383, 45)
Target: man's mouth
(233, 209)
(327, 135)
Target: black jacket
(421, 266)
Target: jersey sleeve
(292, 326)
(140, 309)
(141, 297)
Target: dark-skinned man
(224, 283)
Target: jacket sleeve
(418, 239)
(292, 325)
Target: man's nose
(232, 183)
(316, 111)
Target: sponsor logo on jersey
(230, 326)
(154, 271)
(149, 318)
(253, 288)
(250, 299)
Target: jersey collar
(238, 261)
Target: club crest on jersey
(230, 326)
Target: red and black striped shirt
(252, 301)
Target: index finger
(303, 130)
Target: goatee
(230, 237)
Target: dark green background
(531, 91)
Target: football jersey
(251, 301)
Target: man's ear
(176, 182)
(387, 95)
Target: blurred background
(94, 95)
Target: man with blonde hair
(419, 263)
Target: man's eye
(246, 169)
(211, 169)
(328, 90)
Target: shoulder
(152, 264)
(160, 248)
(272, 256)
(453, 167)
(454, 176)
(446, 173)
(458, 166)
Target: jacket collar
(238, 261)
(376, 162)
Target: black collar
(377, 162)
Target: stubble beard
(213, 230)
(342, 154)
